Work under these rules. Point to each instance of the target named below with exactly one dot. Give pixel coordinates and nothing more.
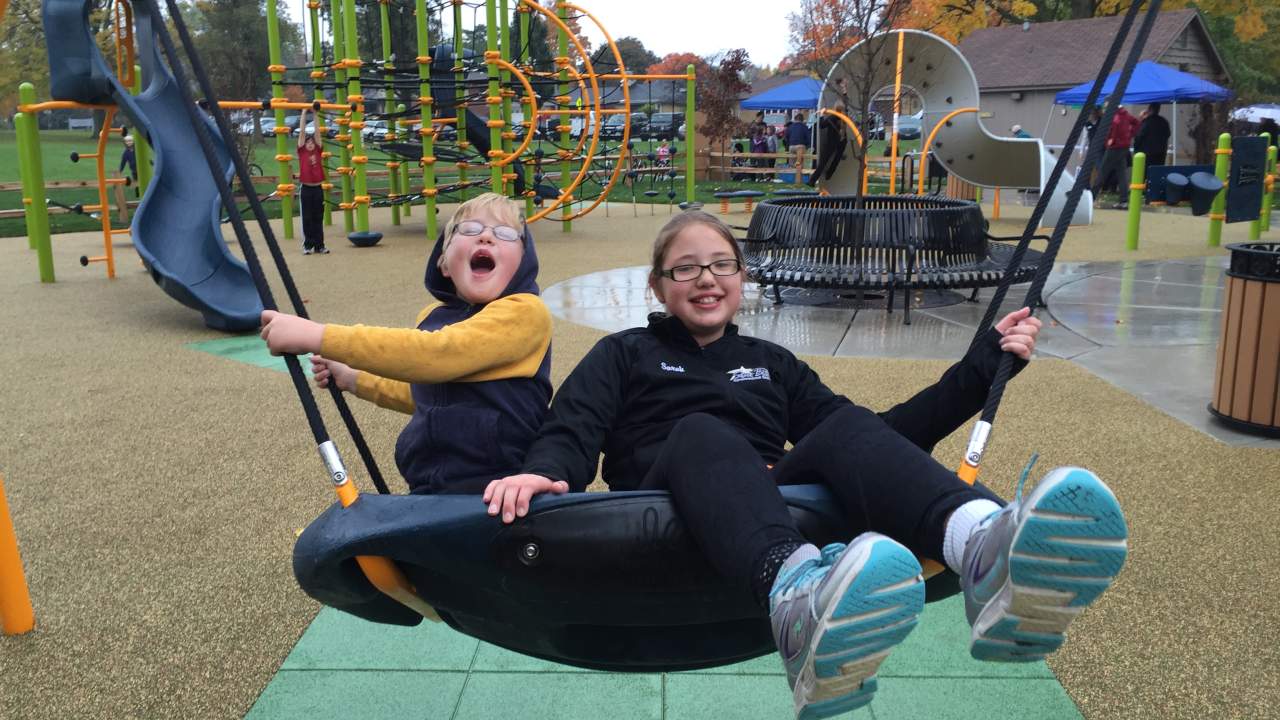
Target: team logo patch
(743, 374)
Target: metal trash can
(1246, 388)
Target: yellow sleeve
(390, 394)
(507, 339)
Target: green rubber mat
(344, 667)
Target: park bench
(886, 243)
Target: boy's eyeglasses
(685, 273)
(471, 228)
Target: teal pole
(32, 169)
(1137, 183)
(1218, 212)
(690, 132)
(427, 132)
(283, 154)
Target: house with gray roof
(1021, 68)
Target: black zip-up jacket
(632, 387)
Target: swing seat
(605, 581)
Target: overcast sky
(703, 27)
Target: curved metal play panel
(936, 71)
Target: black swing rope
(305, 396)
(1033, 298)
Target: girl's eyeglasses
(685, 273)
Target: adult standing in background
(1114, 174)
(1153, 136)
(798, 141)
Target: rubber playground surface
(158, 473)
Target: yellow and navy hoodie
(475, 378)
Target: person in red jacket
(311, 176)
(1114, 172)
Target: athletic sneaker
(836, 618)
(306, 250)
(322, 250)
(1032, 566)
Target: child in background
(475, 372)
(688, 405)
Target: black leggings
(728, 497)
(312, 217)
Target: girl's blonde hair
(672, 229)
(502, 208)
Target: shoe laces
(1026, 472)
(808, 574)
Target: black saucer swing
(607, 581)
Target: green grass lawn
(57, 146)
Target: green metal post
(529, 108)
(388, 74)
(495, 92)
(562, 47)
(690, 132)
(460, 106)
(358, 159)
(504, 47)
(425, 113)
(32, 169)
(1218, 212)
(1268, 197)
(403, 168)
(282, 142)
(141, 149)
(393, 175)
(1137, 183)
(317, 74)
(344, 128)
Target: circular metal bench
(878, 243)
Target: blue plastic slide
(176, 229)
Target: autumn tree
(635, 56)
(678, 64)
(718, 92)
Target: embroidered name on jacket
(743, 374)
(671, 368)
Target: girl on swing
(690, 406)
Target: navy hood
(523, 281)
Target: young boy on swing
(689, 405)
(474, 373)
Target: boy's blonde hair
(501, 207)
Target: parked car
(268, 127)
(664, 125)
(374, 130)
(330, 131)
(613, 127)
(909, 127)
(639, 124)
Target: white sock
(960, 527)
(807, 551)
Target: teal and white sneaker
(1031, 567)
(836, 618)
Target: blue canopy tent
(1152, 83)
(801, 94)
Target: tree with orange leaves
(677, 64)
